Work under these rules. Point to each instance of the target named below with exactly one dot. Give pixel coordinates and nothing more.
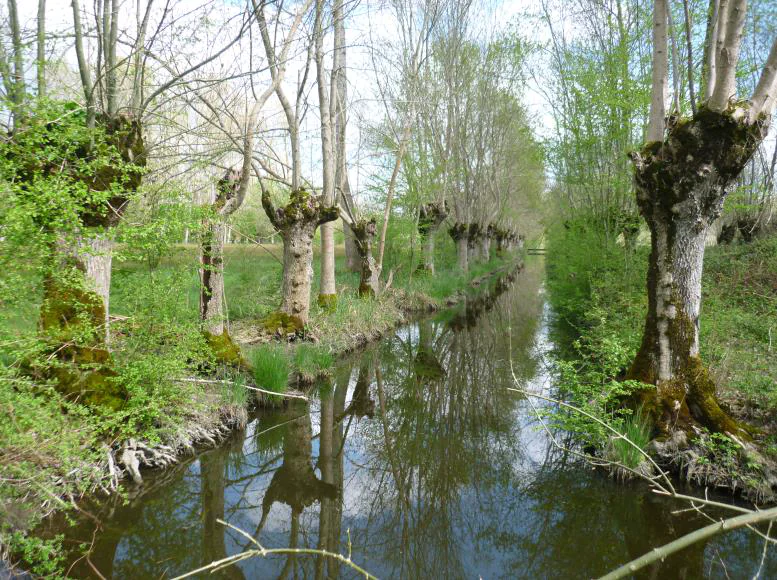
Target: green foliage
(150, 228)
(43, 558)
(233, 391)
(271, 367)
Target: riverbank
(156, 339)
(598, 292)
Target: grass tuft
(271, 367)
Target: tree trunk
(364, 235)
(327, 297)
(215, 234)
(430, 218)
(500, 245)
(459, 232)
(351, 252)
(473, 242)
(485, 248)
(681, 184)
(428, 251)
(297, 269)
(212, 277)
(297, 223)
(96, 252)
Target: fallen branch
(257, 389)
(262, 552)
(684, 541)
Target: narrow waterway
(417, 460)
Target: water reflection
(416, 460)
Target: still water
(417, 459)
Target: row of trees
(228, 113)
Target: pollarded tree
(232, 188)
(682, 176)
(296, 221)
(229, 197)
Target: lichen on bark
(297, 222)
(681, 184)
(364, 234)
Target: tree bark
(460, 232)
(485, 248)
(327, 289)
(681, 184)
(297, 222)
(430, 218)
(96, 253)
(228, 200)
(297, 269)
(40, 61)
(364, 235)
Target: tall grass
(636, 429)
(271, 367)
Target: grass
(271, 367)
(311, 361)
(636, 429)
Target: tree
(682, 176)
(298, 220)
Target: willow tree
(232, 188)
(682, 175)
(298, 219)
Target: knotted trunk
(681, 184)
(430, 218)
(297, 268)
(459, 232)
(212, 277)
(297, 222)
(473, 242)
(228, 200)
(364, 235)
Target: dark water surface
(418, 458)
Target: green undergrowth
(597, 289)
(53, 446)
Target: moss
(226, 350)
(328, 302)
(704, 405)
(458, 231)
(70, 309)
(283, 323)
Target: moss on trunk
(681, 184)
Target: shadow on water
(417, 459)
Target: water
(418, 461)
